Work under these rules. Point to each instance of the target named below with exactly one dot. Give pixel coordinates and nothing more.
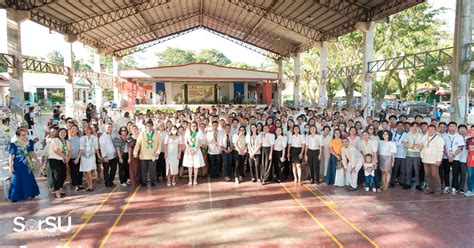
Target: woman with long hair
(254, 143)
(279, 151)
(193, 158)
(134, 163)
(296, 152)
(59, 155)
(240, 149)
(76, 173)
(387, 150)
(172, 155)
(335, 147)
(89, 151)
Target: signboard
(201, 93)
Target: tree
(175, 56)
(242, 65)
(212, 56)
(55, 57)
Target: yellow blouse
(336, 145)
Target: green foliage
(55, 57)
(212, 56)
(242, 65)
(108, 94)
(3, 68)
(177, 56)
(56, 96)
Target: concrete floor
(216, 213)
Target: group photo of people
(243, 144)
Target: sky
(39, 41)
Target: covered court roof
(271, 27)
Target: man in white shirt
(109, 154)
(268, 141)
(214, 150)
(227, 148)
(453, 145)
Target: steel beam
(145, 45)
(285, 21)
(135, 33)
(102, 19)
(263, 37)
(254, 48)
(343, 71)
(435, 57)
(27, 4)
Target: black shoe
(89, 189)
(406, 187)
(153, 184)
(392, 185)
(63, 194)
(144, 184)
(254, 180)
(419, 188)
(311, 181)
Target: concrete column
(14, 19)
(280, 80)
(69, 86)
(98, 85)
(169, 92)
(368, 30)
(296, 90)
(461, 73)
(153, 94)
(323, 66)
(246, 92)
(115, 61)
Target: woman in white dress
(193, 158)
(89, 149)
(172, 155)
(325, 152)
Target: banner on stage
(201, 92)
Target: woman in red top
(271, 127)
(470, 164)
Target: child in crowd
(369, 171)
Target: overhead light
(278, 38)
(309, 18)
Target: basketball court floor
(216, 213)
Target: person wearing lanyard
(214, 152)
(279, 153)
(453, 144)
(240, 145)
(227, 148)
(312, 154)
(268, 141)
(109, 155)
(431, 155)
(399, 169)
(470, 164)
(254, 142)
(413, 144)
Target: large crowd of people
(245, 144)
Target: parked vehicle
(417, 108)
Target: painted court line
(87, 216)
(314, 218)
(330, 206)
(104, 241)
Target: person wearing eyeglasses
(121, 147)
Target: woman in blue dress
(23, 184)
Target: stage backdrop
(201, 93)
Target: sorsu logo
(49, 224)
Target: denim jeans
(470, 178)
(370, 181)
